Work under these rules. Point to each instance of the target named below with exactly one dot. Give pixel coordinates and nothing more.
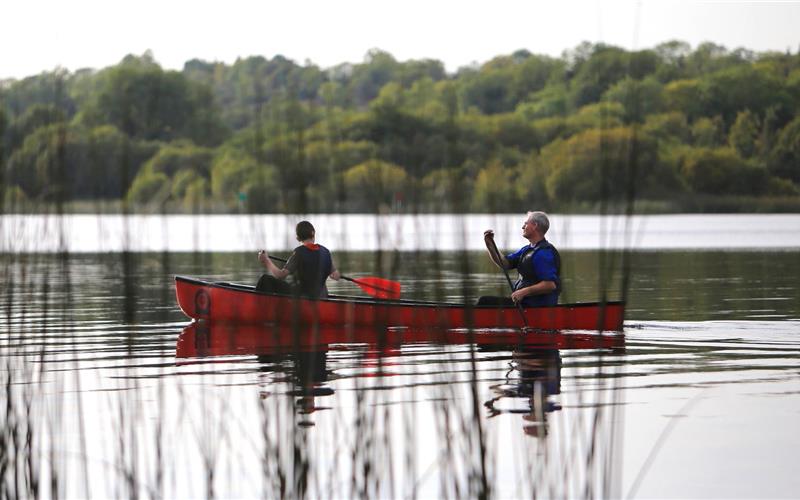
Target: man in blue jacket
(538, 264)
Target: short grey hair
(541, 220)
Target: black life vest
(527, 271)
(313, 268)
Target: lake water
(109, 391)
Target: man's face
(527, 228)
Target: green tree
(29, 167)
(196, 196)
(73, 163)
(252, 82)
(720, 171)
(182, 181)
(38, 168)
(502, 83)
(110, 163)
(531, 188)
(793, 89)
(299, 129)
(728, 91)
(230, 172)
(684, 96)
(174, 157)
(368, 79)
(495, 189)
(403, 138)
(181, 163)
(145, 102)
(785, 157)
(550, 129)
(598, 115)
(261, 192)
(709, 57)
(668, 127)
(605, 66)
(378, 183)
(672, 60)
(150, 188)
(48, 88)
(552, 100)
(488, 92)
(3, 147)
(334, 158)
(708, 132)
(509, 130)
(446, 190)
(744, 134)
(640, 98)
(34, 117)
(610, 164)
(412, 72)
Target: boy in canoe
(311, 264)
(538, 264)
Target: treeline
(598, 127)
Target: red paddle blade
(379, 287)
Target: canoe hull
(226, 302)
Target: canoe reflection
(202, 339)
(302, 354)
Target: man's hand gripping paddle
(489, 238)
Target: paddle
(510, 284)
(377, 287)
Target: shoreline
(693, 205)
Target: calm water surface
(108, 391)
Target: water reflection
(306, 372)
(200, 339)
(534, 376)
(299, 356)
(90, 378)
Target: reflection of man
(538, 377)
(538, 264)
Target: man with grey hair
(538, 264)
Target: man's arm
(263, 257)
(499, 260)
(539, 288)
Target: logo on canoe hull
(202, 303)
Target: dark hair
(304, 230)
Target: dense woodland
(672, 127)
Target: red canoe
(229, 302)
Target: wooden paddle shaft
(510, 284)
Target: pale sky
(40, 35)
